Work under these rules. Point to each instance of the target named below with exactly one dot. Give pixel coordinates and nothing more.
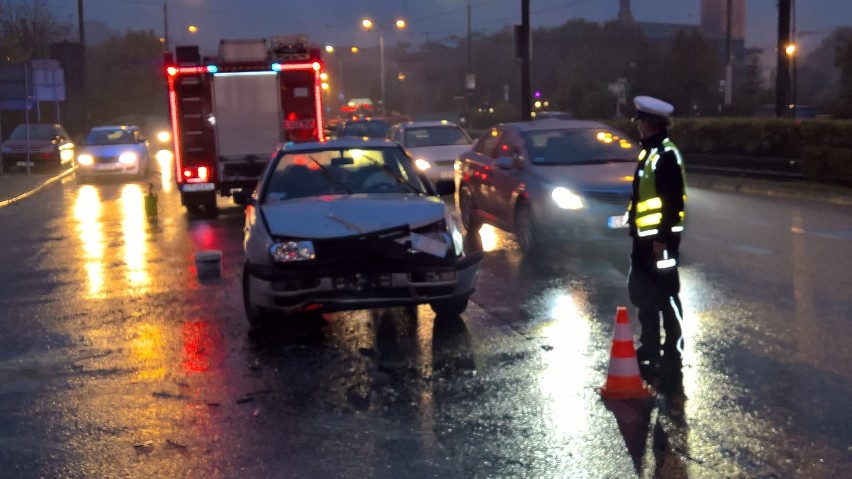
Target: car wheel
(257, 316)
(450, 307)
(526, 231)
(467, 210)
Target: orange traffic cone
(623, 380)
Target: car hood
(337, 216)
(443, 152)
(108, 150)
(21, 144)
(612, 176)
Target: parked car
(548, 179)
(435, 145)
(363, 127)
(49, 146)
(348, 224)
(114, 150)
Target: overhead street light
(368, 24)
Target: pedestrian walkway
(19, 185)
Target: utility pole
(729, 68)
(165, 25)
(782, 72)
(524, 40)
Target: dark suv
(49, 146)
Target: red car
(45, 145)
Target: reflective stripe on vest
(649, 206)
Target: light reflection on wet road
(116, 361)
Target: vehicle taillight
(199, 174)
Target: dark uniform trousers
(655, 293)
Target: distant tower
(714, 19)
(624, 14)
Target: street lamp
(368, 25)
(331, 49)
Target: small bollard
(208, 264)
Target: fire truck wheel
(203, 205)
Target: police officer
(656, 220)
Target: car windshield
(370, 128)
(110, 137)
(342, 172)
(435, 136)
(37, 132)
(578, 146)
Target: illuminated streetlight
(192, 29)
(368, 25)
(329, 48)
(790, 49)
(354, 49)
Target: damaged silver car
(348, 224)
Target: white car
(115, 150)
(349, 224)
(435, 145)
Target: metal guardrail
(759, 167)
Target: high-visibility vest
(649, 206)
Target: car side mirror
(505, 163)
(243, 197)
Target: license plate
(24, 163)
(107, 167)
(447, 174)
(187, 187)
(614, 222)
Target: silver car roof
(554, 124)
(345, 142)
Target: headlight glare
(422, 164)
(128, 158)
(164, 136)
(86, 159)
(566, 199)
(289, 251)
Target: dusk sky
(338, 21)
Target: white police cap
(650, 106)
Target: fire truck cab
(229, 112)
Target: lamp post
(340, 53)
(791, 51)
(368, 25)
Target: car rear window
(370, 128)
(435, 136)
(577, 146)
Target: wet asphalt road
(116, 361)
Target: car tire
(467, 211)
(526, 231)
(257, 316)
(450, 307)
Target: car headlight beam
(566, 199)
(289, 251)
(422, 164)
(128, 158)
(85, 159)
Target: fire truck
(229, 112)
